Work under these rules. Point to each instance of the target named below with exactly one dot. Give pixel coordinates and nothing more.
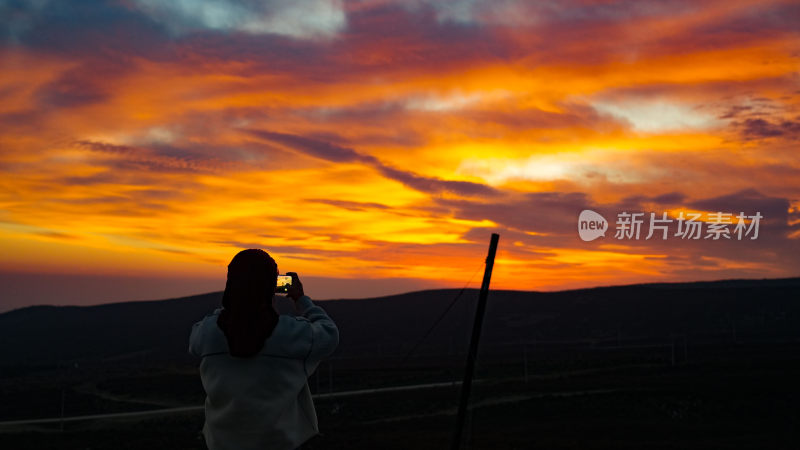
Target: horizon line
(656, 283)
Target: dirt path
(500, 401)
(91, 389)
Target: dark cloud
(118, 205)
(387, 39)
(104, 177)
(433, 185)
(671, 198)
(735, 111)
(162, 158)
(761, 128)
(105, 147)
(319, 149)
(571, 116)
(758, 20)
(631, 202)
(150, 165)
(17, 122)
(349, 205)
(378, 39)
(749, 201)
(640, 202)
(387, 121)
(99, 30)
(577, 12)
(58, 235)
(9, 89)
(740, 27)
(382, 39)
(540, 212)
(392, 135)
(339, 154)
(383, 26)
(77, 87)
(367, 112)
(104, 199)
(306, 62)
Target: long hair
(247, 317)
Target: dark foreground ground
(712, 365)
(723, 395)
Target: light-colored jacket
(263, 402)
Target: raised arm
(324, 333)
(194, 344)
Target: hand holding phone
(284, 281)
(294, 290)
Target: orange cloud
(394, 146)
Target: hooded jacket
(263, 402)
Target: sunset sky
(373, 146)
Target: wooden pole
(466, 385)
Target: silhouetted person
(256, 363)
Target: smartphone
(284, 281)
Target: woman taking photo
(256, 363)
